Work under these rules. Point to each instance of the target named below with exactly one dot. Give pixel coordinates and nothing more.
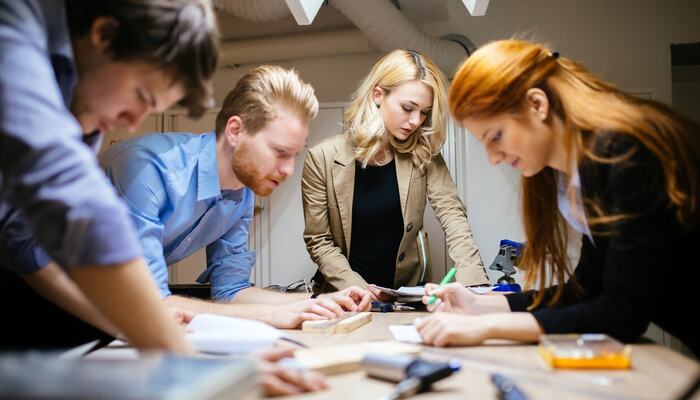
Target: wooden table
(656, 373)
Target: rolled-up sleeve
(46, 172)
(229, 262)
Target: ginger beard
(250, 174)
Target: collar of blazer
(343, 172)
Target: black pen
(506, 388)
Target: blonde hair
(365, 125)
(495, 80)
(259, 90)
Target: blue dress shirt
(170, 181)
(51, 188)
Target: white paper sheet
(405, 333)
(228, 335)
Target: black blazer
(641, 269)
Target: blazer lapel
(343, 171)
(404, 169)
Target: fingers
(182, 317)
(344, 300)
(365, 301)
(274, 353)
(431, 329)
(278, 380)
(309, 316)
(327, 307)
(375, 294)
(429, 287)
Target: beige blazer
(328, 182)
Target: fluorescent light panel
(475, 7)
(304, 11)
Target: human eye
(282, 153)
(496, 137)
(141, 96)
(407, 109)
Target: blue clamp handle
(507, 288)
(378, 306)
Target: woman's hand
(458, 299)
(451, 298)
(447, 329)
(378, 295)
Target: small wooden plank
(338, 359)
(340, 325)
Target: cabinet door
(177, 121)
(288, 259)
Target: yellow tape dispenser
(584, 351)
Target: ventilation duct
(385, 27)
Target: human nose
(495, 155)
(132, 119)
(415, 119)
(287, 167)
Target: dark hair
(179, 36)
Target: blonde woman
(364, 191)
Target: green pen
(450, 274)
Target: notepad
(220, 334)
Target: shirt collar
(208, 183)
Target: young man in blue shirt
(69, 70)
(190, 191)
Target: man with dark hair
(68, 71)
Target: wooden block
(337, 359)
(340, 325)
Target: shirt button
(402, 256)
(409, 227)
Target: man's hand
(278, 380)
(181, 317)
(352, 298)
(326, 306)
(290, 316)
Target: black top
(643, 271)
(377, 224)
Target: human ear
(103, 33)
(377, 95)
(537, 103)
(233, 130)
